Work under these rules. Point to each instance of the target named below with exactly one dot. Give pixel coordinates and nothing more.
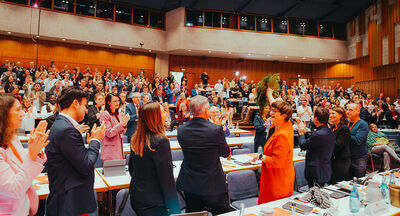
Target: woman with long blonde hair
(152, 188)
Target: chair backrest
(177, 155)
(249, 146)
(127, 210)
(299, 173)
(242, 184)
(241, 151)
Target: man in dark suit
(132, 109)
(364, 113)
(201, 177)
(93, 116)
(319, 146)
(70, 165)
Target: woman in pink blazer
(111, 145)
(18, 169)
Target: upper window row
(101, 9)
(264, 24)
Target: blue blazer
(194, 93)
(260, 138)
(70, 168)
(132, 123)
(358, 141)
(320, 146)
(202, 144)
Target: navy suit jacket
(70, 168)
(320, 146)
(132, 123)
(202, 144)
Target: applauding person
(17, 168)
(70, 165)
(111, 146)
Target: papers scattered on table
(244, 159)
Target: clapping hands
(124, 119)
(38, 140)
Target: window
(85, 7)
(264, 24)
(247, 22)
(212, 19)
(64, 5)
(310, 28)
(105, 10)
(140, 16)
(194, 18)
(156, 19)
(42, 3)
(229, 21)
(325, 30)
(339, 31)
(296, 26)
(123, 14)
(24, 2)
(280, 25)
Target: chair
(241, 151)
(243, 188)
(301, 184)
(177, 155)
(127, 210)
(248, 146)
(377, 161)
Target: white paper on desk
(244, 158)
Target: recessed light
(63, 39)
(304, 58)
(249, 54)
(183, 69)
(268, 55)
(109, 45)
(229, 53)
(35, 5)
(337, 60)
(286, 57)
(130, 47)
(37, 36)
(87, 42)
(320, 59)
(9, 32)
(149, 50)
(209, 51)
(190, 50)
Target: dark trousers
(216, 204)
(358, 167)
(142, 209)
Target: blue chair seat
(249, 202)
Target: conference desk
(387, 130)
(341, 205)
(120, 182)
(237, 132)
(41, 184)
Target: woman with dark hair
(111, 145)
(152, 188)
(277, 171)
(261, 125)
(18, 167)
(341, 156)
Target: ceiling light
(130, 47)
(9, 32)
(320, 59)
(286, 57)
(149, 50)
(304, 58)
(190, 50)
(35, 5)
(209, 51)
(237, 73)
(337, 60)
(109, 45)
(183, 69)
(37, 36)
(229, 53)
(87, 42)
(268, 55)
(249, 54)
(63, 39)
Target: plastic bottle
(354, 200)
(259, 150)
(237, 125)
(392, 179)
(293, 209)
(385, 190)
(241, 209)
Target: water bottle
(237, 125)
(259, 150)
(354, 198)
(293, 209)
(392, 179)
(385, 190)
(241, 209)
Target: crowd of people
(337, 127)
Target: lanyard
(15, 152)
(354, 123)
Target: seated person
(235, 92)
(215, 117)
(182, 99)
(227, 112)
(214, 102)
(50, 107)
(183, 114)
(170, 119)
(377, 144)
(392, 117)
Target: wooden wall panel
(43, 52)
(359, 50)
(218, 68)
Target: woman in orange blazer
(277, 171)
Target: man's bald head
(353, 112)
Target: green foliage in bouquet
(268, 81)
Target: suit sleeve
(310, 142)
(71, 146)
(361, 135)
(258, 125)
(163, 163)
(92, 118)
(16, 185)
(224, 150)
(132, 114)
(110, 130)
(280, 153)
